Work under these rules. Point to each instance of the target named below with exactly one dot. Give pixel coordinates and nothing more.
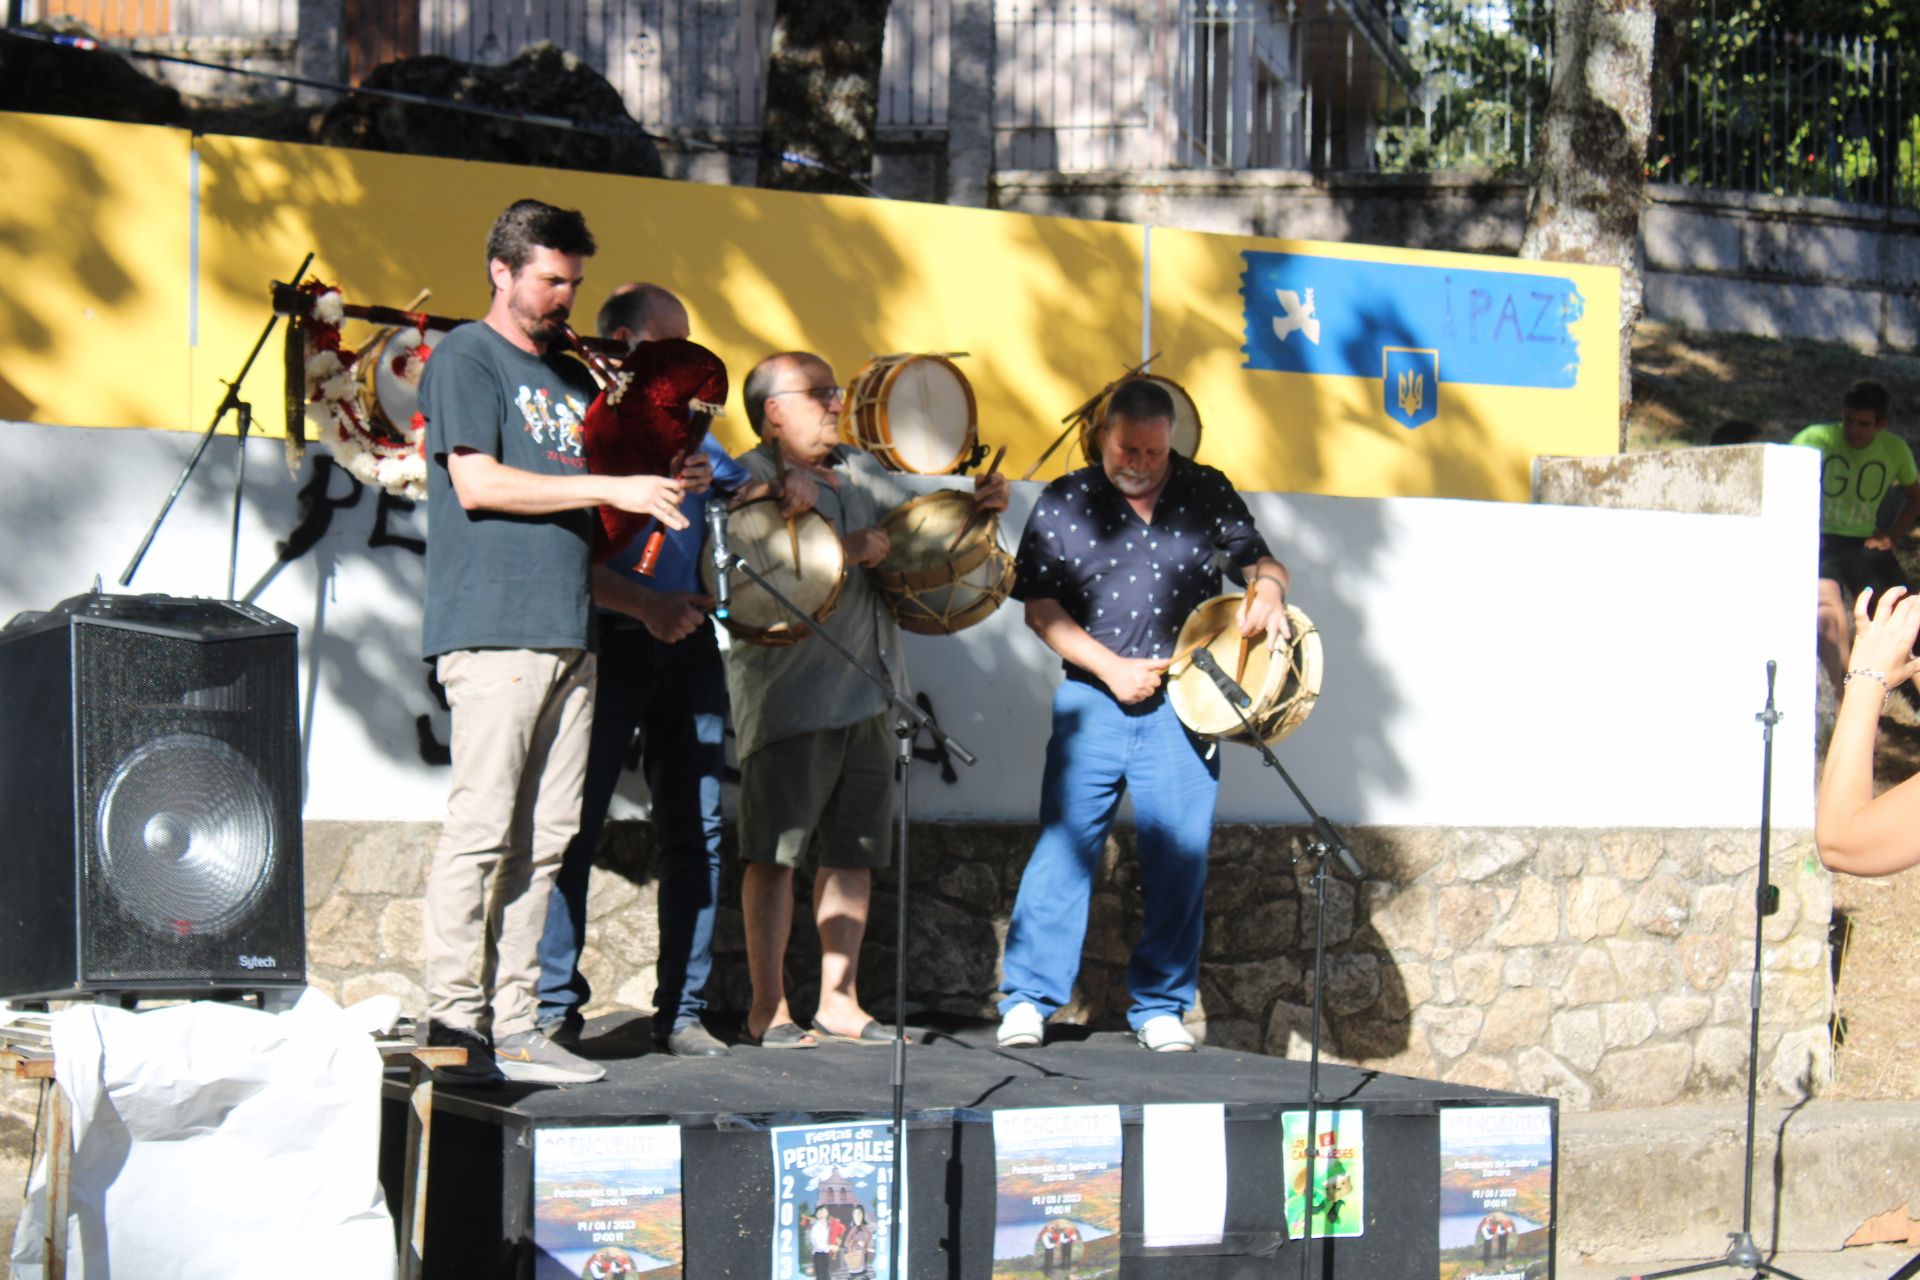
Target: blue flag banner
(1336, 316)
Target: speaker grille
(186, 835)
(188, 752)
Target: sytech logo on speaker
(258, 962)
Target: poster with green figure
(1339, 1173)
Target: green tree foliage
(823, 89)
(1820, 109)
(1787, 97)
(1862, 19)
(1484, 71)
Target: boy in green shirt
(1859, 462)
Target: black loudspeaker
(149, 800)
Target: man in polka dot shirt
(1114, 558)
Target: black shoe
(695, 1041)
(480, 1071)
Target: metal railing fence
(1784, 113)
(1321, 86)
(1158, 84)
(1478, 89)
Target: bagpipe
(652, 410)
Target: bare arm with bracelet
(1856, 831)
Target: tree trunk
(823, 92)
(1592, 183)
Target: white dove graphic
(1299, 317)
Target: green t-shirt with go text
(1854, 482)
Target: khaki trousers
(522, 719)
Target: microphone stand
(1742, 1252)
(229, 402)
(911, 720)
(1326, 841)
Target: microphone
(1203, 659)
(722, 559)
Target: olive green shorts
(836, 783)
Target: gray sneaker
(568, 1032)
(531, 1058)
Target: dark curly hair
(527, 223)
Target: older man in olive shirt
(816, 743)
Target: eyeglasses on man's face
(825, 395)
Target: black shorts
(1856, 567)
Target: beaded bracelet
(1881, 676)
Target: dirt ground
(1684, 385)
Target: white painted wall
(1488, 664)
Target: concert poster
(1339, 1173)
(1496, 1192)
(606, 1202)
(1057, 1172)
(832, 1209)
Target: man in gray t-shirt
(508, 626)
(816, 743)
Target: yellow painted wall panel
(1048, 308)
(94, 245)
(1330, 431)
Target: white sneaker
(1022, 1027)
(1165, 1034)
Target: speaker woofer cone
(186, 835)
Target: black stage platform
(479, 1207)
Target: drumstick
(793, 522)
(1184, 658)
(1087, 407)
(1093, 402)
(1240, 666)
(1058, 440)
(974, 512)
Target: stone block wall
(1605, 968)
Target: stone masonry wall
(1605, 968)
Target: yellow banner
(146, 257)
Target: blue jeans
(1099, 751)
(676, 697)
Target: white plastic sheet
(213, 1140)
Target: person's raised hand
(1884, 641)
(991, 491)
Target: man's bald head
(767, 378)
(642, 312)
